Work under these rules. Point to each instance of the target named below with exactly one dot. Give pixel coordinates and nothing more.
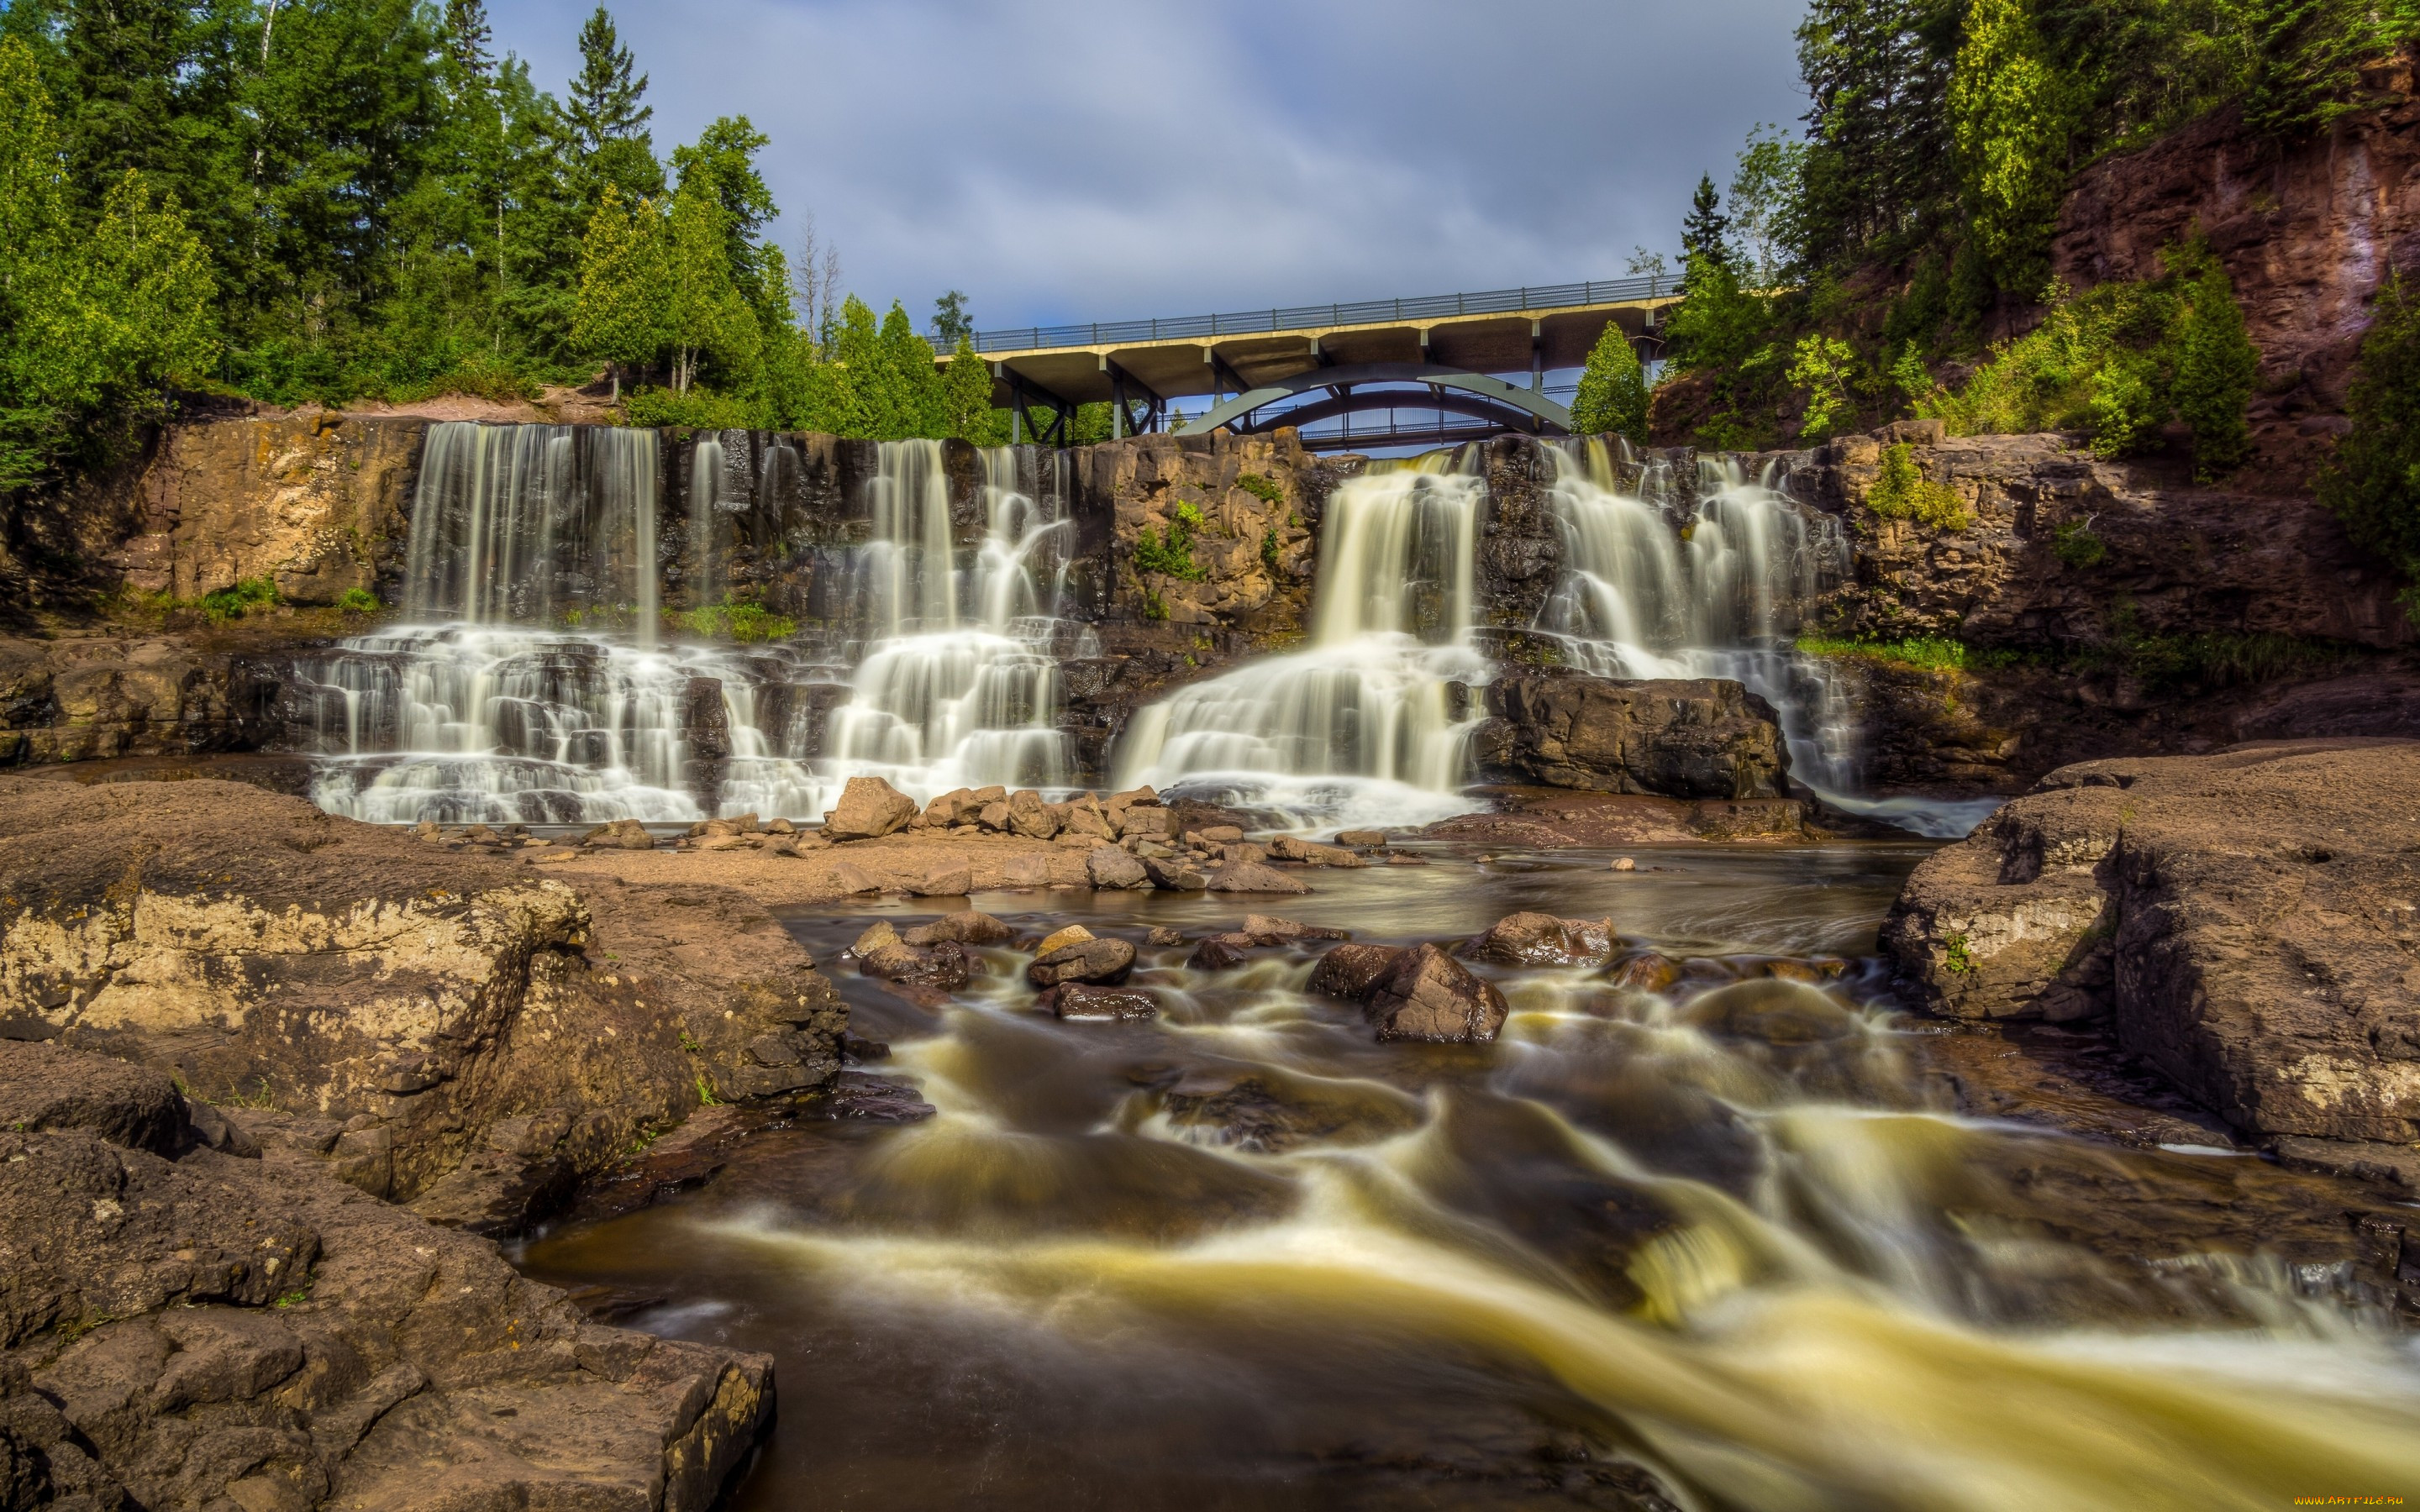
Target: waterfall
(949, 697)
(1369, 720)
(529, 685)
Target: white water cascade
(533, 682)
(1362, 725)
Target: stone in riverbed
(1775, 1011)
(1362, 837)
(1162, 934)
(1544, 940)
(952, 880)
(1221, 952)
(1646, 973)
(1111, 868)
(1027, 815)
(1087, 1002)
(1084, 816)
(1352, 970)
(1252, 876)
(1172, 874)
(869, 808)
(1428, 995)
(1105, 962)
(1069, 935)
(993, 815)
(1267, 929)
(854, 880)
(1305, 853)
(881, 952)
(964, 927)
(1146, 824)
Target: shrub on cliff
(1902, 491)
(2373, 483)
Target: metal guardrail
(1367, 311)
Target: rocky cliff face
(1708, 738)
(2243, 922)
(2306, 233)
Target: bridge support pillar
(1537, 357)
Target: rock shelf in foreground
(2248, 922)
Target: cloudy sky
(1088, 160)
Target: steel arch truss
(1350, 390)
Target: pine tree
(2373, 483)
(623, 286)
(965, 392)
(2216, 367)
(604, 124)
(467, 36)
(1612, 400)
(706, 315)
(1707, 231)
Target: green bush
(1612, 397)
(1900, 491)
(700, 408)
(2075, 544)
(2216, 365)
(1269, 550)
(235, 603)
(359, 601)
(1174, 555)
(735, 619)
(1267, 490)
(2373, 482)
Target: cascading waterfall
(1363, 722)
(960, 685)
(530, 685)
(1644, 595)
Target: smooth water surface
(1710, 1246)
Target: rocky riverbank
(2243, 924)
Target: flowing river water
(1715, 1242)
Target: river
(1721, 1244)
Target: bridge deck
(1501, 330)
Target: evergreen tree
(1707, 231)
(624, 292)
(2010, 118)
(706, 316)
(1612, 400)
(2216, 367)
(2373, 483)
(964, 403)
(467, 36)
(604, 123)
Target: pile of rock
(1222, 951)
(1413, 992)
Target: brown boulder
(881, 952)
(1544, 940)
(1267, 929)
(1352, 970)
(1706, 738)
(1252, 876)
(1096, 961)
(1110, 869)
(1427, 995)
(1027, 815)
(1221, 952)
(954, 879)
(1307, 853)
(869, 808)
(1173, 876)
(964, 927)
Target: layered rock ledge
(2246, 923)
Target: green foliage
(229, 604)
(2075, 544)
(1267, 490)
(2373, 482)
(358, 601)
(1612, 398)
(2011, 116)
(735, 619)
(1765, 194)
(2117, 364)
(2208, 661)
(1174, 555)
(1706, 233)
(1900, 491)
(705, 1093)
(1824, 366)
(1722, 331)
(1915, 319)
(1936, 653)
(1269, 550)
(1954, 958)
(700, 408)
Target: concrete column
(1537, 357)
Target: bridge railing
(1364, 313)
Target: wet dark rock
(1267, 929)
(881, 952)
(1265, 1111)
(1221, 952)
(869, 808)
(856, 1094)
(1702, 738)
(1532, 939)
(1308, 853)
(1352, 970)
(1647, 972)
(856, 1049)
(1427, 995)
(1085, 1001)
(1162, 934)
(1094, 960)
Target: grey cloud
(1083, 159)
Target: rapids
(1721, 1244)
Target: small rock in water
(1362, 837)
(1162, 934)
(1266, 929)
(852, 879)
(954, 879)
(1544, 940)
(1221, 952)
(1287, 848)
(1251, 876)
(966, 927)
(1777, 1012)
(1646, 973)
(1059, 939)
(1623, 863)
(1222, 834)
(1428, 996)
(1083, 1001)
(1087, 960)
(1173, 876)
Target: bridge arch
(1451, 389)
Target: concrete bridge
(1441, 355)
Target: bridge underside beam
(1474, 394)
(1173, 369)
